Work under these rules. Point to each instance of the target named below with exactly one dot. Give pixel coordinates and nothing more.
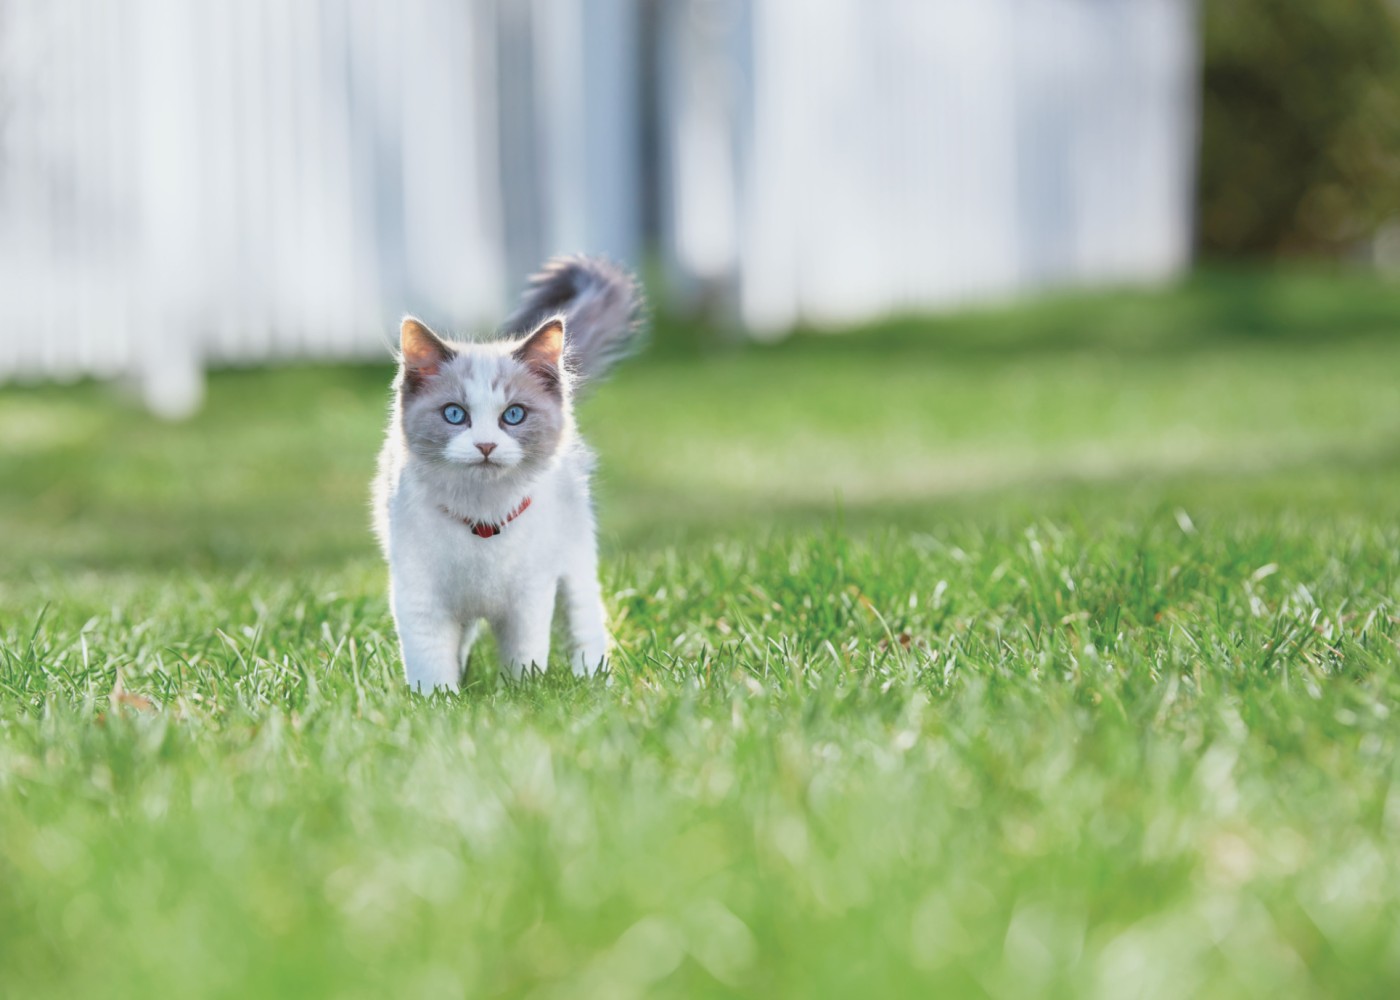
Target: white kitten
(482, 501)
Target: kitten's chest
(468, 558)
(513, 549)
(474, 574)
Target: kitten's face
(496, 409)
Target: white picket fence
(834, 161)
(186, 183)
(190, 183)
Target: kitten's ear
(543, 351)
(545, 345)
(423, 351)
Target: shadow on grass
(1337, 483)
(1334, 484)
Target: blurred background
(1067, 244)
(185, 185)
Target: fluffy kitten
(482, 500)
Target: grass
(1047, 651)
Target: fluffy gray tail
(601, 305)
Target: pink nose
(486, 449)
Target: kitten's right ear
(424, 353)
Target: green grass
(1050, 651)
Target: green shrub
(1301, 129)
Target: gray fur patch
(601, 305)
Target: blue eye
(454, 414)
(513, 414)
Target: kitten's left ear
(423, 351)
(543, 351)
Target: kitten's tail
(602, 307)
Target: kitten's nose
(486, 449)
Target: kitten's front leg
(588, 625)
(431, 640)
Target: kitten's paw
(590, 663)
(428, 687)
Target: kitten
(482, 499)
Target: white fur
(444, 580)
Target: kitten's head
(497, 410)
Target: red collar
(483, 530)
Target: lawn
(1040, 651)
